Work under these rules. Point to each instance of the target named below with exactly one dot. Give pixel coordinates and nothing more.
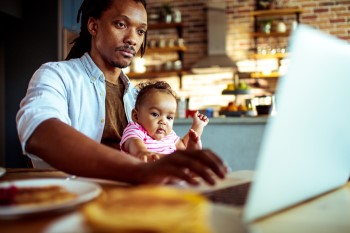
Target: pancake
(149, 209)
(35, 195)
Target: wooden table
(326, 213)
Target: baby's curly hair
(144, 88)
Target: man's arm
(70, 151)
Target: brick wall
(330, 16)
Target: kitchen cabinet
(263, 30)
(160, 47)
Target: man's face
(119, 33)
(157, 114)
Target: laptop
(305, 150)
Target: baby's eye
(154, 114)
(170, 117)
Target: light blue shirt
(72, 91)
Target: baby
(151, 135)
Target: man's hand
(149, 156)
(182, 164)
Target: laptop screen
(305, 149)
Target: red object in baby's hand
(190, 113)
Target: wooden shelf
(266, 56)
(236, 92)
(252, 91)
(277, 12)
(153, 74)
(259, 16)
(167, 49)
(261, 75)
(164, 26)
(272, 34)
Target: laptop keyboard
(235, 195)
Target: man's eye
(141, 31)
(120, 25)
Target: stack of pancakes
(149, 209)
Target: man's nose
(130, 37)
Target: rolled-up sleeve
(46, 98)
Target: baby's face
(157, 114)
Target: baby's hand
(200, 119)
(148, 156)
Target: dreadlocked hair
(94, 9)
(145, 88)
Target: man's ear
(134, 115)
(92, 26)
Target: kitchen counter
(226, 120)
(235, 139)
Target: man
(71, 106)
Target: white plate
(85, 191)
(2, 171)
(224, 219)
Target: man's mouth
(127, 51)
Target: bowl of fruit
(241, 89)
(233, 110)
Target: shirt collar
(91, 68)
(95, 72)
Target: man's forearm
(68, 150)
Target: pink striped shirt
(163, 146)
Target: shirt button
(102, 120)
(93, 79)
(102, 94)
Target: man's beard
(127, 48)
(120, 65)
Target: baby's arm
(137, 148)
(194, 141)
(198, 124)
